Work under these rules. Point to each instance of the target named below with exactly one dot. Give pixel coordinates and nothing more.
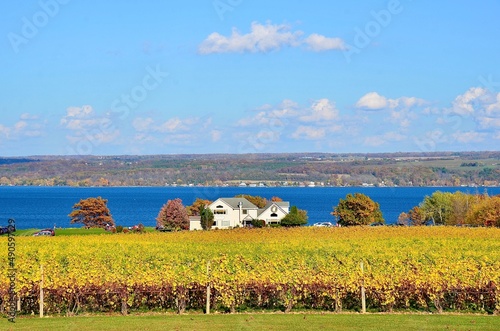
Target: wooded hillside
(391, 169)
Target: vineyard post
(208, 288)
(363, 294)
(41, 290)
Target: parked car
(377, 224)
(323, 224)
(7, 229)
(45, 232)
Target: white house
(233, 212)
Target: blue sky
(241, 76)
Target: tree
(357, 209)
(403, 219)
(92, 212)
(486, 212)
(417, 216)
(260, 202)
(438, 206)
(206, 218)
(173, 215)
(296, 217)
(197, 206)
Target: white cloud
(321, 110)
(215, 135)
(270, 116)
(28, 116)
(27, 126)
(309, 132)
(171, 125)
(469, 137)
(372, 101)
(141, 124)
(375, 101)
(85, 125)
(318, 43)
(494, 107)
(464, 104)
(265, 38)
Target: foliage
(433, 169)
(92, 212)
(258, 223)
(417, 216)
(119, 229)
(173, 215)
(256, 200)
(406, 268)
(296, 217)
(276, 199)
(403, 219)
(206, 218)
(456, 209)
(357, 209)
(197, 206)
(486, 212)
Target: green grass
(72, 231)
(341, 322)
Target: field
(416, 269)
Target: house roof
(234, 203)
(280, 204)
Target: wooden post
(18, 303)
(41, 291)
(208, 289)
(363, 295)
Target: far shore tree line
(440, 208)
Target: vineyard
(410, 269)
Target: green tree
(92, 212)
(438, 206)
(357, 209)
(296, 217)
(173, 215)
(206, 218)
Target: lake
(42, 207)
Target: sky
(239, 76)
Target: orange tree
(92, 212)
(357, 209)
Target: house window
(219, 212)
(226, 223)
(219, 206)
(274, 215)
(245, 211)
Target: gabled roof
(234, 203)
(279, 204)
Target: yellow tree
(92, 212)
(357, 209)
(485, 212)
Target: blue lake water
(42, 207)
